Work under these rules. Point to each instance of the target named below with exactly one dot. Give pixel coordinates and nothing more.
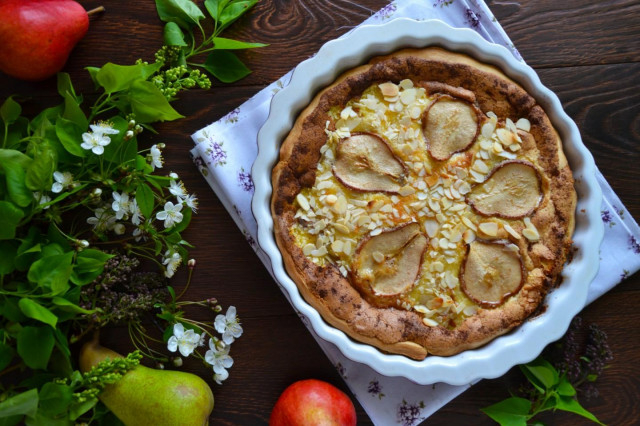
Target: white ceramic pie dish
(520, 345)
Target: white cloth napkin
(225, 152)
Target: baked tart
(423, 204)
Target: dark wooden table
(587, 51)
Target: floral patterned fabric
(226, 149)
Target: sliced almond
(365, 162)
(450, 125)
(490, 273)
(512, 190)
(402, 250)
(389, 90)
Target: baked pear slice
(512, 190)
(491, 272)
(449, 125)
(364, 162)
(388, 264)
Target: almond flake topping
(414, 185)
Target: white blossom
(228, 325)
(184, 341)
(171, 261)
(192, 202)
(136, 214)
(220, 360)
(102, 220)
(119, 229)
(173, 175)
(138, 234)
(41, 199)
(177, 189)
(120, 204)
(62, 180)
(155, 155)
(104, 128)
(95, 142)
(171, 214)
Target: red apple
(313, 403)
(36, 36)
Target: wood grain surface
(586, 51)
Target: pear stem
(98, 9)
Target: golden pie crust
(414, 323)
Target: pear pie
(423, 203)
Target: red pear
(36, 36)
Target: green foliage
(183, 16)
(554, 386)
(76, 188)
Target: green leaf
(38, 312)
(35, 345)
(70, 136)
(55, 398)
(116, 78)
(14, 164)
(512, 411)
(225, 66)
(8, 253)
(10, 111)
(46, 116)
(173, 35)
(78, 409)
(40, 171)
(541, 374)
(73, 112)
(145, 200)
(93, 72)
(185, 13)
(65, 305)
(12, 312)
(214, 7)
(89, 264)
(25, 403)
(6, 355)
(149, 104)
(65, 85)
(14, 133)
(233, 11)
(52, 272)
(229, 44)
(565, 388)
(10, 217)
(567, 403)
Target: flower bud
(118, 229)
(132, 123)
(83, 243)
(177, 361)
(129, 135)
(191, 263)
(161, 145)
(160, 366)
(173, 175)
(96, 192)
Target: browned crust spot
(400, 331)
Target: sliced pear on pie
(512, 190)
(449, 125)
(388, 264)
(365, 162)
(491, 272)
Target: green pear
(146, 396)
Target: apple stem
(98, 9)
